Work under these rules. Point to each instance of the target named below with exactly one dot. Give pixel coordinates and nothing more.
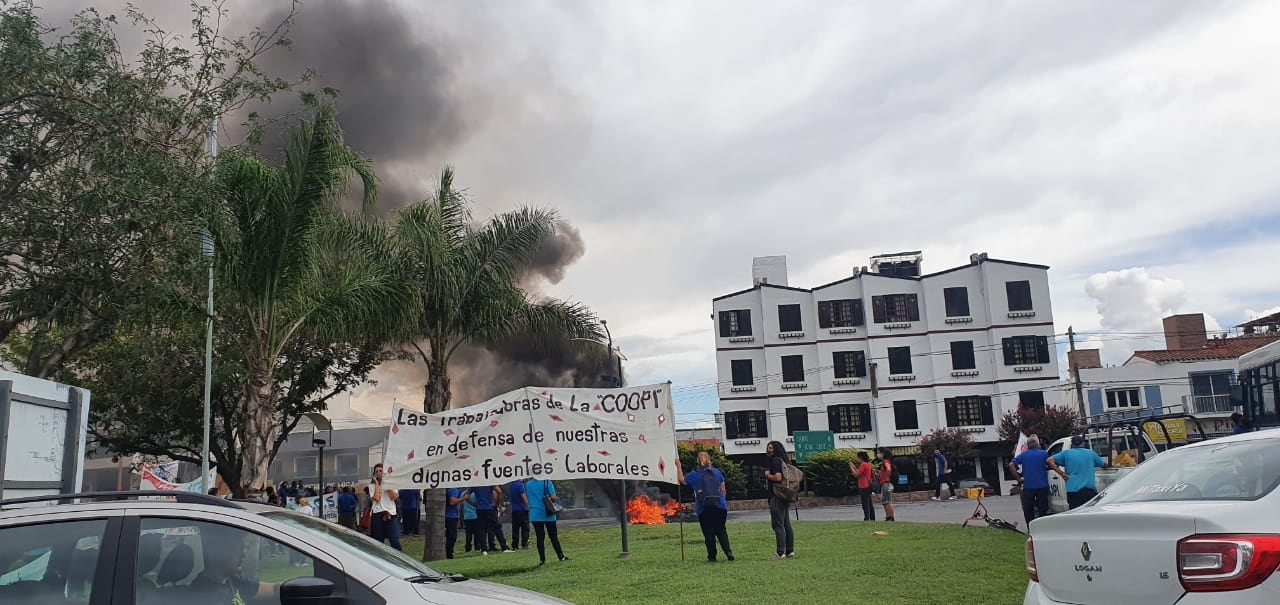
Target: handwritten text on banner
(547, 433)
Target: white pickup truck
(1127, 448)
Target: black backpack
(709, 492)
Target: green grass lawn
(837, 562)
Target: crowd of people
(475, 513)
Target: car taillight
(1031, 560)
(1220, 563)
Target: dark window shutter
(1009, 357)
(988, 415)
(837, 364)
(724, 324)
(742, 372)
(913, 307)
(864, 416)
(824, 314)
(833, 419)
(860, 364)
(1042, 349)
(951, 411)
(877, 309)
(859, 314)
(744, 322)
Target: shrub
(953, 443)
(828, 473)
(1051, 423)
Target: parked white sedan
(1197, 525)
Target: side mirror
(309, 591)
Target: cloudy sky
(1132, 146)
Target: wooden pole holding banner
(680, 502)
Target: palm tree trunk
(436, 399)
(258, 433)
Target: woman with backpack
(862, 471)
(782, 532)
(709, 504)
(543, 505)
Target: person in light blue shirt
(1034, 478)
(1075, 466)
(537, 491)
(709, 504)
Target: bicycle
(980, 513)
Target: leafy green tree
(1050, 423)
(464, 277)
(735, 481)
(952, 442)
(291, 268)
(828, 472)
(103, 170)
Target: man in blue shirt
(409, 513)
(943, 472)
(487, 499)
(1034, 478)
(452, 516)
(1076, 469)
(347, 508)
(519, 515)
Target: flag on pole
(1021, 445)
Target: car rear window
(1240, 470)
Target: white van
(1128, 447)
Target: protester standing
(409, 510)
(384, 520)
(519, 515)
(784, 536)
(886, 482)
(943, 468)
(488, 498)
(862, 471)
(1079, 461)
(452, 517)
(538, 492)
(1034, 478)
(347, 508)
(709, 504)
(470, 521)
(1238, 424)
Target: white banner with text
(539, 432)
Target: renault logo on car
(1085, 551)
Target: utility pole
(1075, 372)
(624, 518)
(206, 250)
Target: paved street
(1008, 508)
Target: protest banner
(150, 481)
(539, 432)
(330, 507)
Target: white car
(1196, 525)
(145, 552)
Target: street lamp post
(320, 443)
(625, 519)
(206, 250)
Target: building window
(1123, 398)
(1026, 350)
(850, 364)
(899, 360)
(845, 313)
(849, 418)
(348, 464)
(1209, 385)
(895, 308)
(753, 423)
(793, 368)
(962, 357)
(305, 466)
(742, 374)
(904, 415)
(789, 318)
(957, 301)
(1031, 399)
(1019, 293)
(969, 411)
(797, 420)
(735, 323)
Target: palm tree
(289, 265)
(466, 281)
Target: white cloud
(1131, 304)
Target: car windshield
(1238, 470)
(347, 542)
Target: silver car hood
(478, 592)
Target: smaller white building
(1194, 374)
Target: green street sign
(809, 443)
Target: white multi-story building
(886, 355)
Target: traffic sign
(809, 443)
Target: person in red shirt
(862, 472)
(886, 482)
